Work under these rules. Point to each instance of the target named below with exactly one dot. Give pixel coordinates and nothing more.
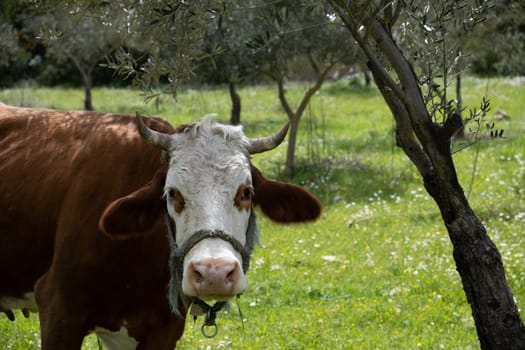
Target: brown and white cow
(99, 234)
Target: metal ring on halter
(205, 327)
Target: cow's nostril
(233, 275)
(197, 276)
(229, 276)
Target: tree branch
(353, 27)
(282, 97)
(429, 135)
(404, 134)
(321, 76)
(76, 62)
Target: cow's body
(59, 171)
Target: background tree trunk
(235, 117)
(290, 151)
(88, 104)
(295, 117)
(427, 144)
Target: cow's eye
(175, 198)
(247, 193)
(172, 193)
(243, 198)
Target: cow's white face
(208, 187)
(209, 192)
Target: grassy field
(376, 271)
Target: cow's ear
(137, 212)
(283, 202)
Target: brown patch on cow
(243, 197)
(283, 202)
(176, 199)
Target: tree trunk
(295, 117)
(88, 105)
(479, 265)
(427, 144)
(235, 117)
(368, 79)
(86, 72)
(290, 151)
(478, 261)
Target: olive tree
(245, 38)
(225, 56)
(8, 43)
(13, 58)
(505, 26)
(75, 37)
(427, 143)
(290, 35)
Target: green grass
(376, 271)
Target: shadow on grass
(352, 85)
(344, 179)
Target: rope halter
(209, 328)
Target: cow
(116, 224)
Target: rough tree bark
(427, 144)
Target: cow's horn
(153, 137)
(264, 144)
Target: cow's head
(209, 190)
